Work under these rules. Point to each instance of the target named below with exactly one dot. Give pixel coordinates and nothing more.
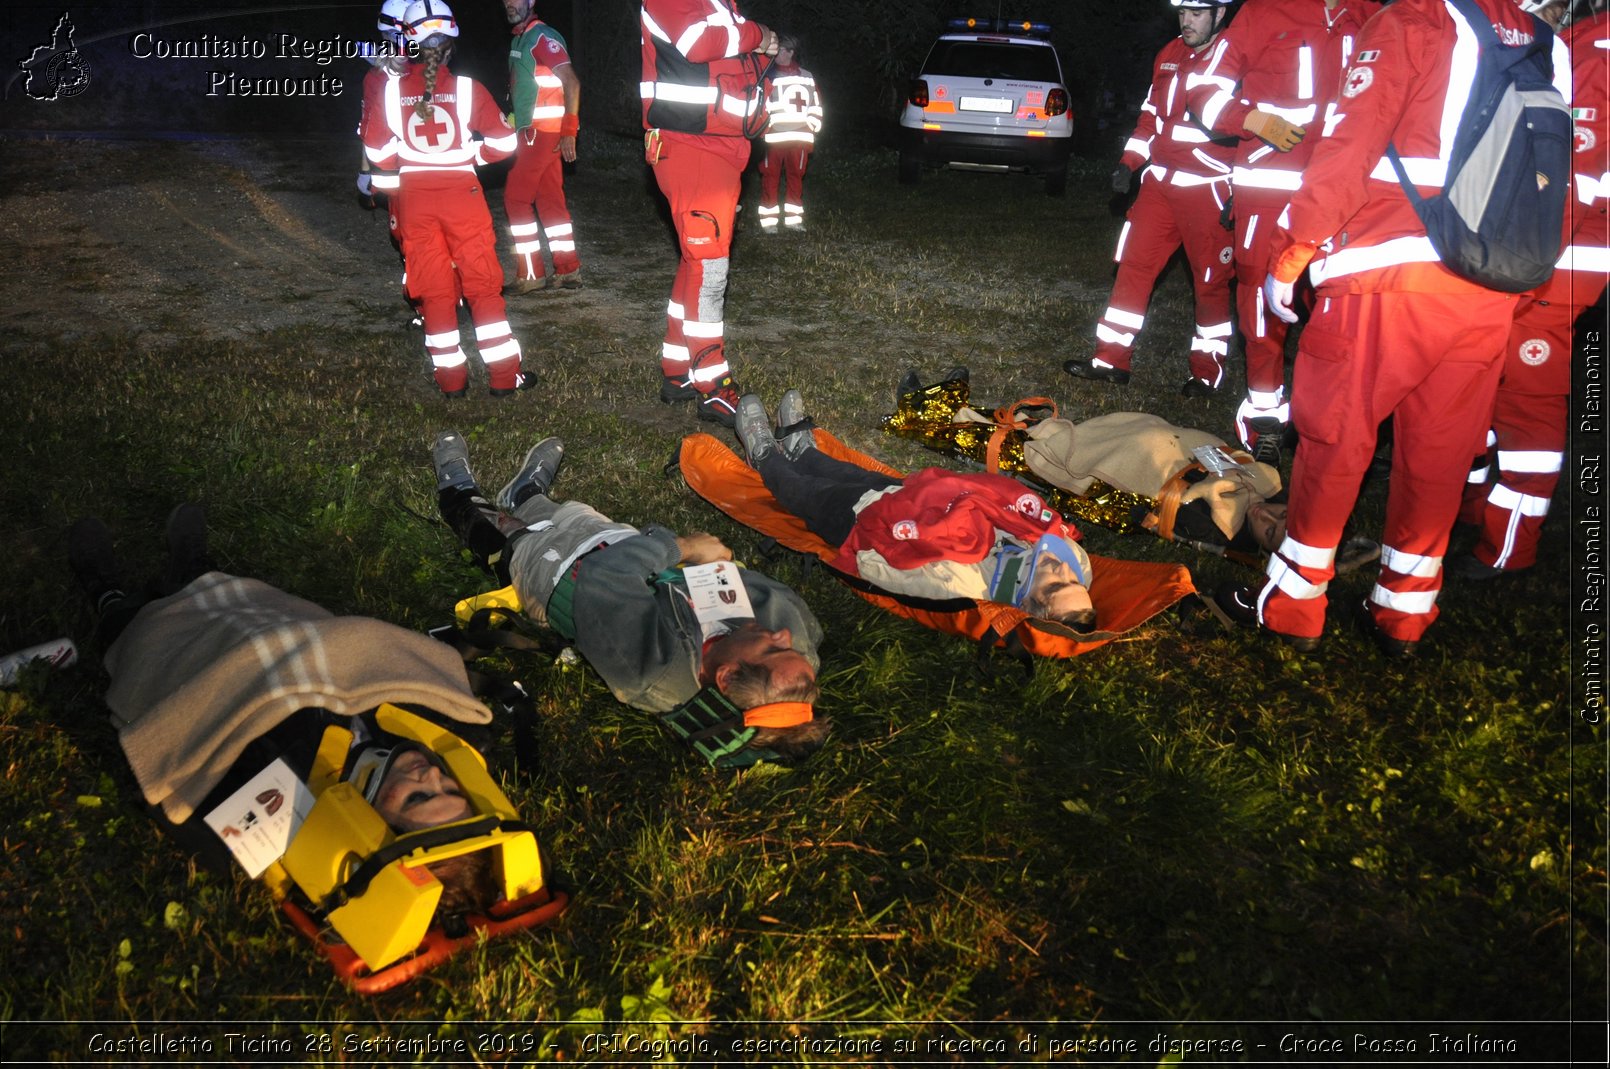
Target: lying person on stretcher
(933, 534)
(1125, 471)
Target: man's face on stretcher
(1056, 592)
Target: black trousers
(820, 490)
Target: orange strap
(1009, 419)
(1161, 520)
(1168, 501)
(778, 715)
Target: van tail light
(1056, 103)
(919, 94)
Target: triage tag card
(717, 592)
(258, 821)
(1214, 458)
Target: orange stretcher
(1125, 593)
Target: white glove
(366, 185)
(1278, 297)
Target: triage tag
(258, 821)
(1214, 459)
(717, 592)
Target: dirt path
(230, 239)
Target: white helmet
(429, 23)
(1201, 3)
(390, 23)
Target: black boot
(475, 522)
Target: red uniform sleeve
(1211, 93)
(705, 30)
(1374, 95)
(379, 143)
(498, 139)
(549, 52)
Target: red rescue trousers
(783, 165)
(700, 177)
(1429, 360)
(1530, 416)
(1165, 215)
(1257, 214)
(449, 248)
(537, 181)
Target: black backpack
(1499, 218)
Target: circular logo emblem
(1028, 505)
(1358, 80)
(68, 75)
(1225, 254)
(1584, 138)
(905, 531)
(1534, 351)
(435, 134)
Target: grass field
(1185, 826)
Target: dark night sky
(861, 53)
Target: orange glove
(1289, 264)
(1284, 136)
(1280, 287)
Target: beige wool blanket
(199, 675)
(1141, 453)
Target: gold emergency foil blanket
(928, 417)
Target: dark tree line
(864, 54)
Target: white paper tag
(717, 592)
(1214, 458)
(258, 821)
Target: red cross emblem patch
(1358, 80)
(1534, 351)
(435, 134)
(905, 531)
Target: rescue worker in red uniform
(1282, 59)
(701, 104)
(794, 111)
(425, 129)
(1183, 190)
(546, 97)
(1530, 418)
(1394, 332)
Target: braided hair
(433, 57)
